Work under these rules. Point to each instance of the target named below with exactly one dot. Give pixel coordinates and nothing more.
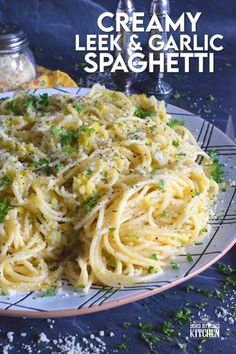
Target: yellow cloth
(48, 78)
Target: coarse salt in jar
(17, 64)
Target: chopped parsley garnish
(112, 229)
(216, 168)
(12, 105)
(154, 170)
(5, 181)
(163, 213)
(189, 288)
(89, 171)
(175, 143)
(142, 113)
(87, 129)
(224, 269)
(182, 346)
(189, 257)
(174, 265)
(59, 167)
(175, 122)
(126, 325)
(153, 127)
(49, 292)
(4, 208)
(43, 165)
(66, 138)
(209, 98)
(168, 331)
(181, 154)
(123, 346)
(146, 326)
(183, 316)
(90, 203)
(150, 269)
(115, 154)
(42, 100)
(196, 192)
(37, 102)
(161, 184)
(79, 106)
(154, 256)
(178, 95)
(149, 338)
(201, 305)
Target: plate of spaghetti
(106, 199)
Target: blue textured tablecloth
(51, 25)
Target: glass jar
(17, 64)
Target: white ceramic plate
(221, 238)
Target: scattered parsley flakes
(6, 181)
(216, 168)
(90, 203)
(89, 171)
(175, 122)
(112, 229)
(87, 129)
(154, 171)
(178, 95)
(4, 208)
(224, 269)
(115, 154)
(123, 346)
(49, 292)
(174, 265)
(201, 305)
(42, 100)
(43, 165)
(142, 113)
(196, 192)
(168, 331)
(154, 256)
(79, 106)
(59, 167)
(210, 98)
(163, 213)
(126, 325)
(189, 257)
(175, 143)
(183, 316)
(66, 138)
(153, 127)
(181, 154)
(12, 105)
(161, 184)
(149, 338)
(182, 346)
(146, 326)
(150, 269)
(189, 288)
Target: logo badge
(204, 328)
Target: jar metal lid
(12, 38)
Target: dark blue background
(51, 26)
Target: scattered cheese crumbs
(43, 338)
(101, 333)
(10, 336)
